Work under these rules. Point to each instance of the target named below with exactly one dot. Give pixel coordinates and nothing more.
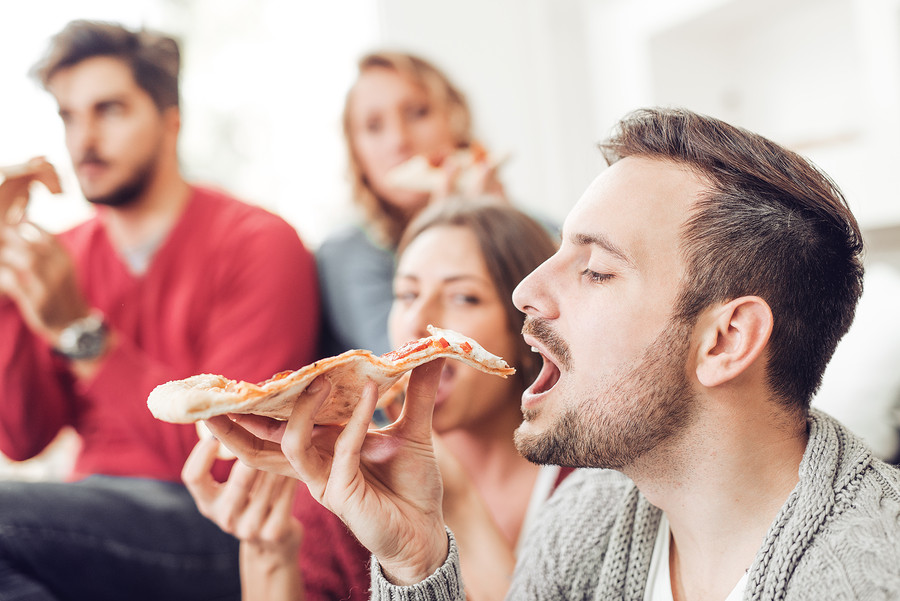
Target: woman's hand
(476, 180)
(384, 484)
(255, 507)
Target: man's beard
(131, 190)
(630, 413)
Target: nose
(398, 134)
(535, 295)
(408, 321)
(81, 135)
(424, 312)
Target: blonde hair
(385, 225)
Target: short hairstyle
(154, 59)
(512, 245)
(441, 92)
(771, 224)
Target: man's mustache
(542, 330)
(90, 157)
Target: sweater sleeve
(444, 585)
(33, 390)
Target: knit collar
(834, 459)
(833, 462)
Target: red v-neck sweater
(231, 291)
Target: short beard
(630, 415)
(129, 192)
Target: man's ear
(732, 337)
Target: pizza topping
(465, 346)
(413, 346)
(479, 152)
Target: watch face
(83, 339)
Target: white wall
(522, 64)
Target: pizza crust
(203, 396)
(419, 174)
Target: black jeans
(111, 538)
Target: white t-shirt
(659, 580)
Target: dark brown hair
(154, 58)
(512, 245)
(772, 225)
(441, 93)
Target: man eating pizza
(703, 282)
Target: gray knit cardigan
(836, 537)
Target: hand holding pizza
(384, 484)
(15, 184)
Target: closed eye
(595, 277)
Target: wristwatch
(84, 338)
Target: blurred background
(264, 80)
(263, 83)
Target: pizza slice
(421, 174)
(205, 395)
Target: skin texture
(614, 283)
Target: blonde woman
(400, 106)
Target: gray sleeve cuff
(445, 584)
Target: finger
(259, 502)
(252, 451)
(349, 443)
(419, 404)
(234, 497)
(264, 428)
(297, 442)
(281, 526)
(196, 473)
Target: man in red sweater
(167, 280)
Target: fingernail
(315, 386)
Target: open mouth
(445, 385)
(547, 378)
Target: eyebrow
(447, 280)
(603, 242)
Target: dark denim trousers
(111, 538)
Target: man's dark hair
(771, 225)
(154, 58)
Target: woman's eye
(595, 277)
(417, 112)
(466, 299)
(405, 297)
(373, 126)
